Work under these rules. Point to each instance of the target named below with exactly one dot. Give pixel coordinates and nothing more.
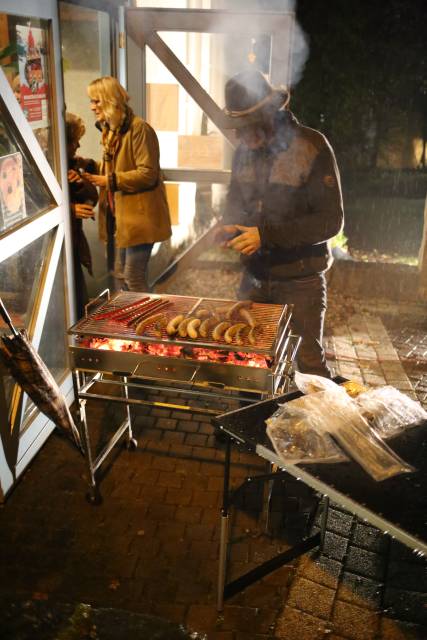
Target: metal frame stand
(227, 590)
(93, 496)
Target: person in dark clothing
(283, 206)
(83, 198)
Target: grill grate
(271, 318)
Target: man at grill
(284, 204)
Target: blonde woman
(133, 198)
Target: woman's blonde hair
(113, 99)
(74, 127)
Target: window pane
(53, 344)
(25, 58)
(23, 192)
(19, 282)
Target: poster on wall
(12, 195)
(33, 73)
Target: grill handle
(97, 300)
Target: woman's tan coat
(141, 208)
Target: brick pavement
(152, 546)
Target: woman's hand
(98, 181)
(247, 242)
(73, 176)
(83, 211)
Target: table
(397, 506)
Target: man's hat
(248, 93)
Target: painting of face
(11, 184)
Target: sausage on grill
(172, 326)
(141, 327)
(192, 327)
(219, 330)
(247, 317)
(236, 307)
(207, 325)
(231, 332)
(239, 339)
(183, 325)
(251, 336)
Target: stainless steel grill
(105, 341)
(102, 342)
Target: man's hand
(224, 233)
(83, 211)
(98, 181)
(247, 242)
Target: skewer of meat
(114, 313)
(156, 305)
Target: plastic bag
(310, 383)
(297, 438)
(332, 412)
(389, 411)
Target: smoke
(299, 53)
(282, 56)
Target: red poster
(32, 72)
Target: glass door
(87, 40)
(35, 242)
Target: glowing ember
(177, 351)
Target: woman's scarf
(111, 139)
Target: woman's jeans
(131, 267)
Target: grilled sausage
(172, 326)
(192, 327)
(219, 330)
(239, 334)
(237, 306)
(206, 325)
(232, 331)
(140, 328)
(251, 336)
(247, 317)
(203, 313)
(183, 326)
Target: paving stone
(406, 605)
(362, 592)
(311, 597)
(398, 630)
(323, 570)
(188, 514)
(365, 563)
(294, 624)
(354, 623)
(174, 437)
(196, 440)
(370, 538)
(335, 546)
(160, 413)
(166, 423)
(338, 521)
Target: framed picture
(12, 195)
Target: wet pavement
(73, 570)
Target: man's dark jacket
(291, 191)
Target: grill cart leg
(93, 496)
(223, 543)
(131, 442)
